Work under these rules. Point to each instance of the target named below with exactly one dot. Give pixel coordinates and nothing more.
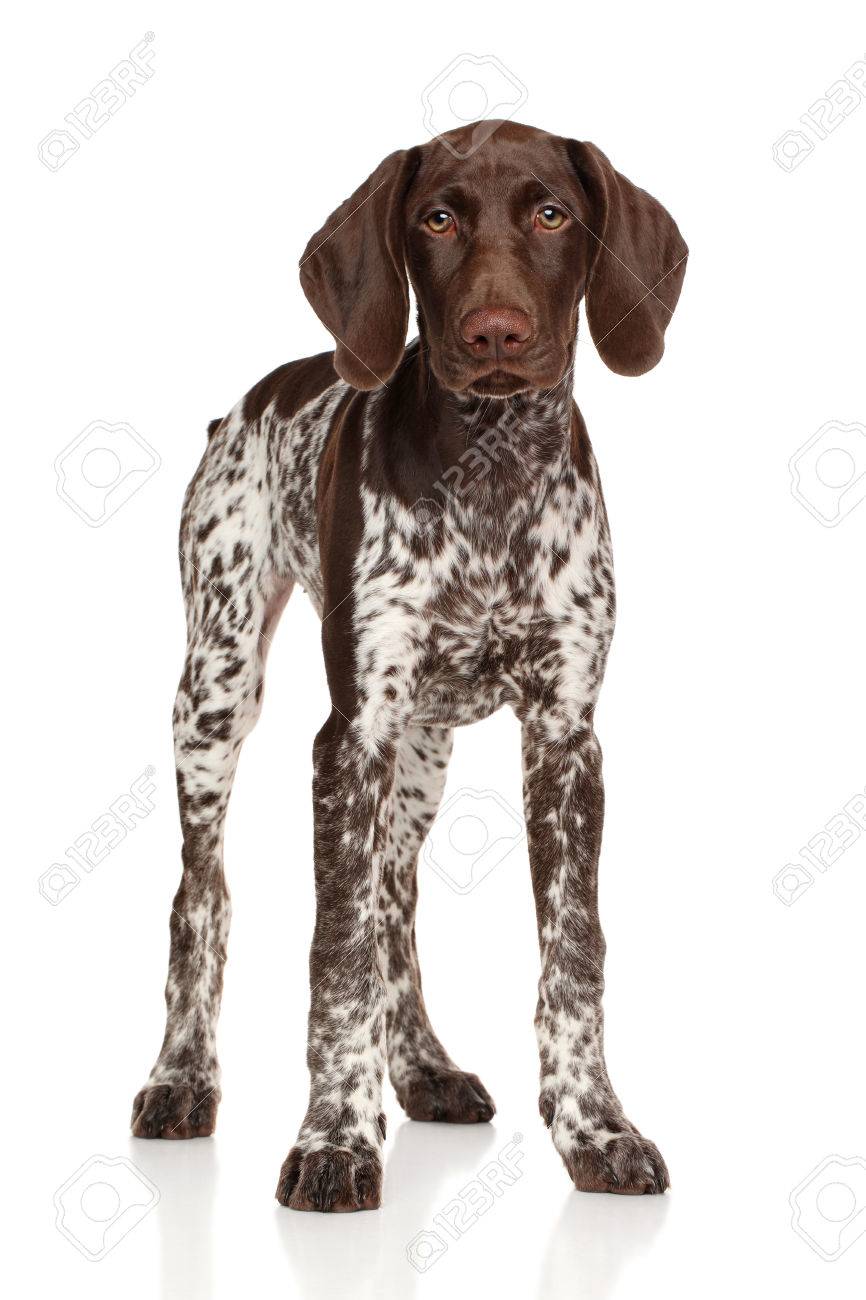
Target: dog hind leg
(428, 1084)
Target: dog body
(442, 508)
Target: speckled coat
(441, 507)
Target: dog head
(499, 246)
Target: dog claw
(174, 1111)
(332, 1180)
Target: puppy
(441, 506)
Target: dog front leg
(564, 800)
(336, 1161)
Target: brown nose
(495, 332)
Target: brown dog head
(500, 247)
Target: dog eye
(439, 222)
(550, 217)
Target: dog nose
(495, 332)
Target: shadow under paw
(332, 1180)
(446, 1096)
(174, 1111)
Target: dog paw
(333, 1180)
(175, 1111)
(447, 1096)
(624, 1163)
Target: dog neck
(521, 436)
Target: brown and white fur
(442, 508)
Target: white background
(151, 280)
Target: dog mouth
(498, 376)
(499, 382)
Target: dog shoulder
(291, 387)
(287, 389)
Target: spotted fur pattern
(428, 1084)
(499, 592)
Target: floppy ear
(637, 265)
(353, 273)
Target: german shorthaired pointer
(441, 505)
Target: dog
(441, 505)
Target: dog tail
(212, 427)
